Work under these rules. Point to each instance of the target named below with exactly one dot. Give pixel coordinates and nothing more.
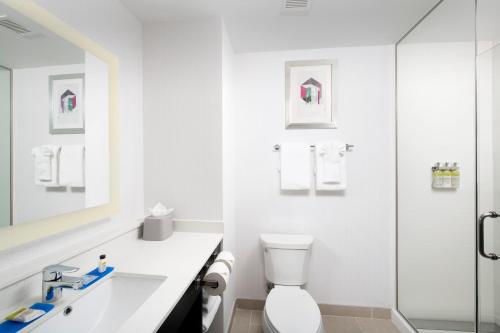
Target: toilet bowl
(290, 309)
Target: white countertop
(180, 258)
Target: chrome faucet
(54, 281)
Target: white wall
(5, 172)
(228, 166)
(106, 22)
(30, 123)
(352, 255)
(96, 131)
(183, 117)
(436, 227)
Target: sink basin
(103, 308)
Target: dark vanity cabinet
(186, 317)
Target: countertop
(180, 258)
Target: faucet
(53, 281)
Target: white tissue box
(158, 228)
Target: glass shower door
(488, 158)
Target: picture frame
(67, 104)
(310, 98)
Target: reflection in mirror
(5, 83)
(54, 97)
(436, 124)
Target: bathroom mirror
(58, 145)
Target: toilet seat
(290, 309)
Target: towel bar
(348, 147)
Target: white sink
(103, 308)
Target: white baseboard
(401, 322)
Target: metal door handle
(480, 234)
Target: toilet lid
(292, 310)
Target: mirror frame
(17, 235)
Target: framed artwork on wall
(66, 98)
(309, 95)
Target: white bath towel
(208, 314)
(46, 162)
(295, 166)
(71, 166)
(330, 166)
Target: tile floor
(439, 331)
(250, 321)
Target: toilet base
(267, 327)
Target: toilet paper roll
(217, 272)
(227, 258)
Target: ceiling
(258, 25)
(38, 48)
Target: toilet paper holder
(201, 283)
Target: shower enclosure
(448, 169)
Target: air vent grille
(296, 6)
(11, 25)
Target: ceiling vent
(296, 6)
(11, 25)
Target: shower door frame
(476, 204)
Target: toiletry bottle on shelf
(437, 178)
(447, 175)
(102, 263)
(455, 175)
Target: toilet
(289, 308)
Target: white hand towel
(43, 158)
(46, 165)
(295, 166)
(330, 166)
(71, 166)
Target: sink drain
(67, 310)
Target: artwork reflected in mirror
(54, 118)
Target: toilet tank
(286, 258)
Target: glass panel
(5, 125)
(488, 106)
(436, 124)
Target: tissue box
(158, 228)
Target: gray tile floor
(250, 321)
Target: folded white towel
(46, 160)
(208, 301)
(330, 166)
(295, 166)
(71, 166)
(209, 315)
